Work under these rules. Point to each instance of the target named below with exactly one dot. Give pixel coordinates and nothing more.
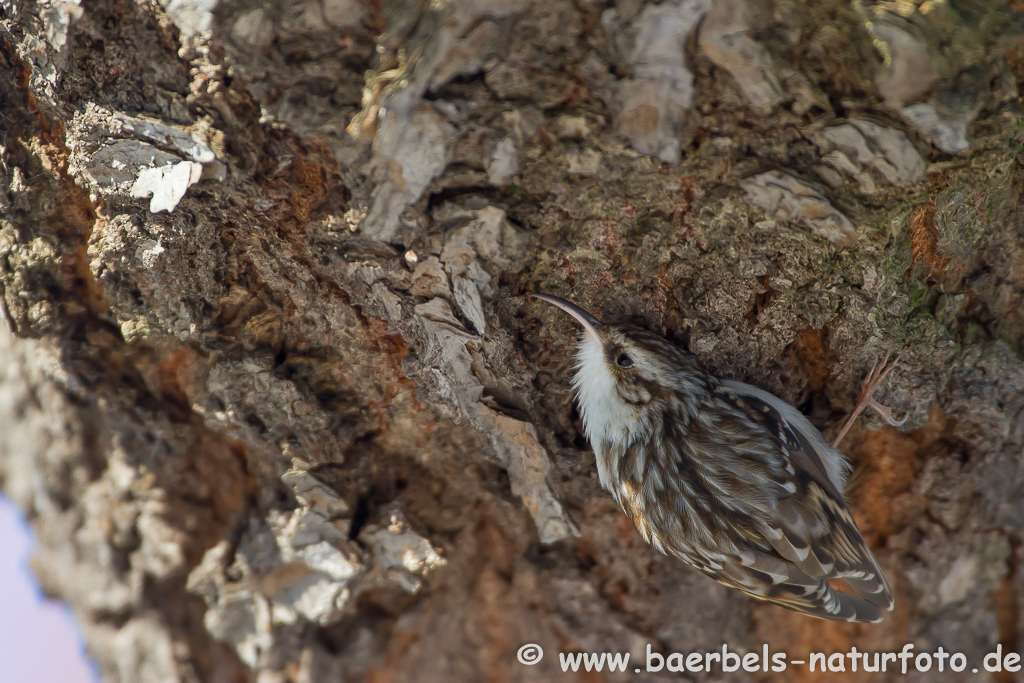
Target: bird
(722, 475)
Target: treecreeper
(723, 475)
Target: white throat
(606, 417)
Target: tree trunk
(276, 403)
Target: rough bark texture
(278, 409)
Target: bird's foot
(866, 399)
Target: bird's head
(624, 371)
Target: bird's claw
(879, 371)
(886, 413)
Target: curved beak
(591, 324)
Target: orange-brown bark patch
(809, 349)
(924, 237)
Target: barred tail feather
(873, 589)
(826, 602)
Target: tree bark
(276, 403)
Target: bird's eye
(624, 361)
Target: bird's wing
(790, 425)
(806, 523)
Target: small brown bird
(722, 475)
